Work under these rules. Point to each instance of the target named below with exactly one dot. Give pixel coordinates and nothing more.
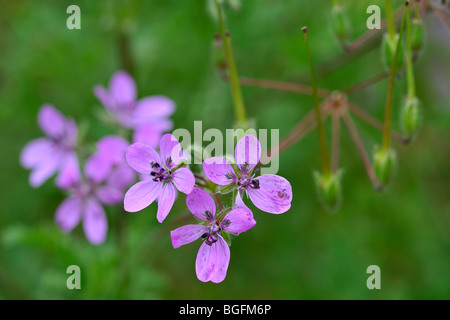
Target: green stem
(322, 138)
(388, 112)
(409, 62)
(234, 77)
(390, 19)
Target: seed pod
(328, 188)
(417, 35)
(388, 49)
(340, 24)
(410, 117)
(385, 165)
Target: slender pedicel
(409, 60)
(361, 150)
(336, 134)
(390, 19)
(359, 112)
(322, 138)
(387, 116)
(234, 77)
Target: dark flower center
(159, 173)
(248, 182)
(212, 235)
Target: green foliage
(302, 254)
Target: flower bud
(385, 164)
(410, 117)
(340, 24)
(329, 189)
(388, 49)
(417, 34)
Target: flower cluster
(164, 173)
(162, 167)
(106, 173)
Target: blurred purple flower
(147, 116)
(54, 153)
(162, 176)
(269, 192)
(107, 175)
(214, 254)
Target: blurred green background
(306, 253)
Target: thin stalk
(375, 123)
(440, 14)
(219, 203)
(366, 83)
(370, 33)
(418, 9)
(301, 130)
(409, 60)
(390, 19)
(283, 86)
(361, 150)
(388, 111)
(322, 138)
(335, 137)
(241, 116)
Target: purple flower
(162, 176)
(214, 254)
(107, 175)
(269, 192)
(147, 116)
(54, 153)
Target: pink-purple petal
(121, 177)
(109, 195)
(34, 151)
(96, 169)
(140, 156)
(223, 260)
(141, 195)
(166, 199)
(148, 134)
(123, 89)
(112, 148)
(274, 194)
(153, 108)
(184, 180)
(105, 98)
(68, 214)
(187, 234)
(248, 152)
(219, 171)
(69, 171)
(199, 202)
(238, 220)
(212, 261)
(46, 168)
(170, 150)
(239, 203)
(95, 223)
(51, 121)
